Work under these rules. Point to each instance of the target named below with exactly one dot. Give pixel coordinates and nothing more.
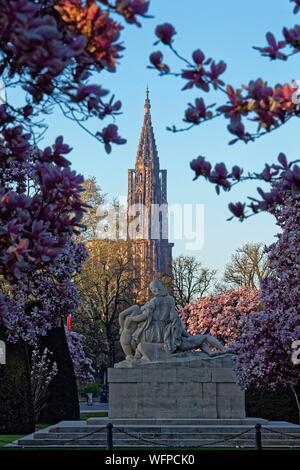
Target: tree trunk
(111, 353)
(16, 408)
(63, 401)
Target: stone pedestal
(191, 386)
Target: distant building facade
(147, 212)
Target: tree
(94, 199)
(106, 286)
(265, 347)
(247, 268)
(190, 279)
(221, 313)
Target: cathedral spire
(147, 146)
(149, 249)
(147, 102)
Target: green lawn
(99, 414)
(7, 438)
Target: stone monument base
(186, 386)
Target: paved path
(84, 408)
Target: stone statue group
(155, 331)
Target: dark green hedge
(279, 405)
(63, 401)
(16, 411)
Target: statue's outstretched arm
(134, 309)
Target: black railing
(164, 443)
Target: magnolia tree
(40, 210)
(265, 347)
(82, 364)
(222, 313)
(49, 51)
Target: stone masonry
(194, 388)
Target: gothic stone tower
(147, 215)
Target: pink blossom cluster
(40, 203)
(258, 102)
(50, 49)
(221, 313)
(265, 346)
(291, 40)
(40, 211)
(268, 106)
(282, 176)
(82, 364)
(44, 298)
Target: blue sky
(223, 30)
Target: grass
(7, 438)
(99, 414)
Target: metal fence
(111, 429)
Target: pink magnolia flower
(156, 59)
(273, 48)
(198, 111)
(132, 8)
(297, 5)
(110, 134)
(200, 167)
(238, 209)
(165, 33)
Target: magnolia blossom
(268, 106)
(222, 313)
(283, 176)
(82, 364)
(45, 298)
(40, 211)
(51, 48)
(265, 346)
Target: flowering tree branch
(270, 107)
(283, 177)
(50, 49)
